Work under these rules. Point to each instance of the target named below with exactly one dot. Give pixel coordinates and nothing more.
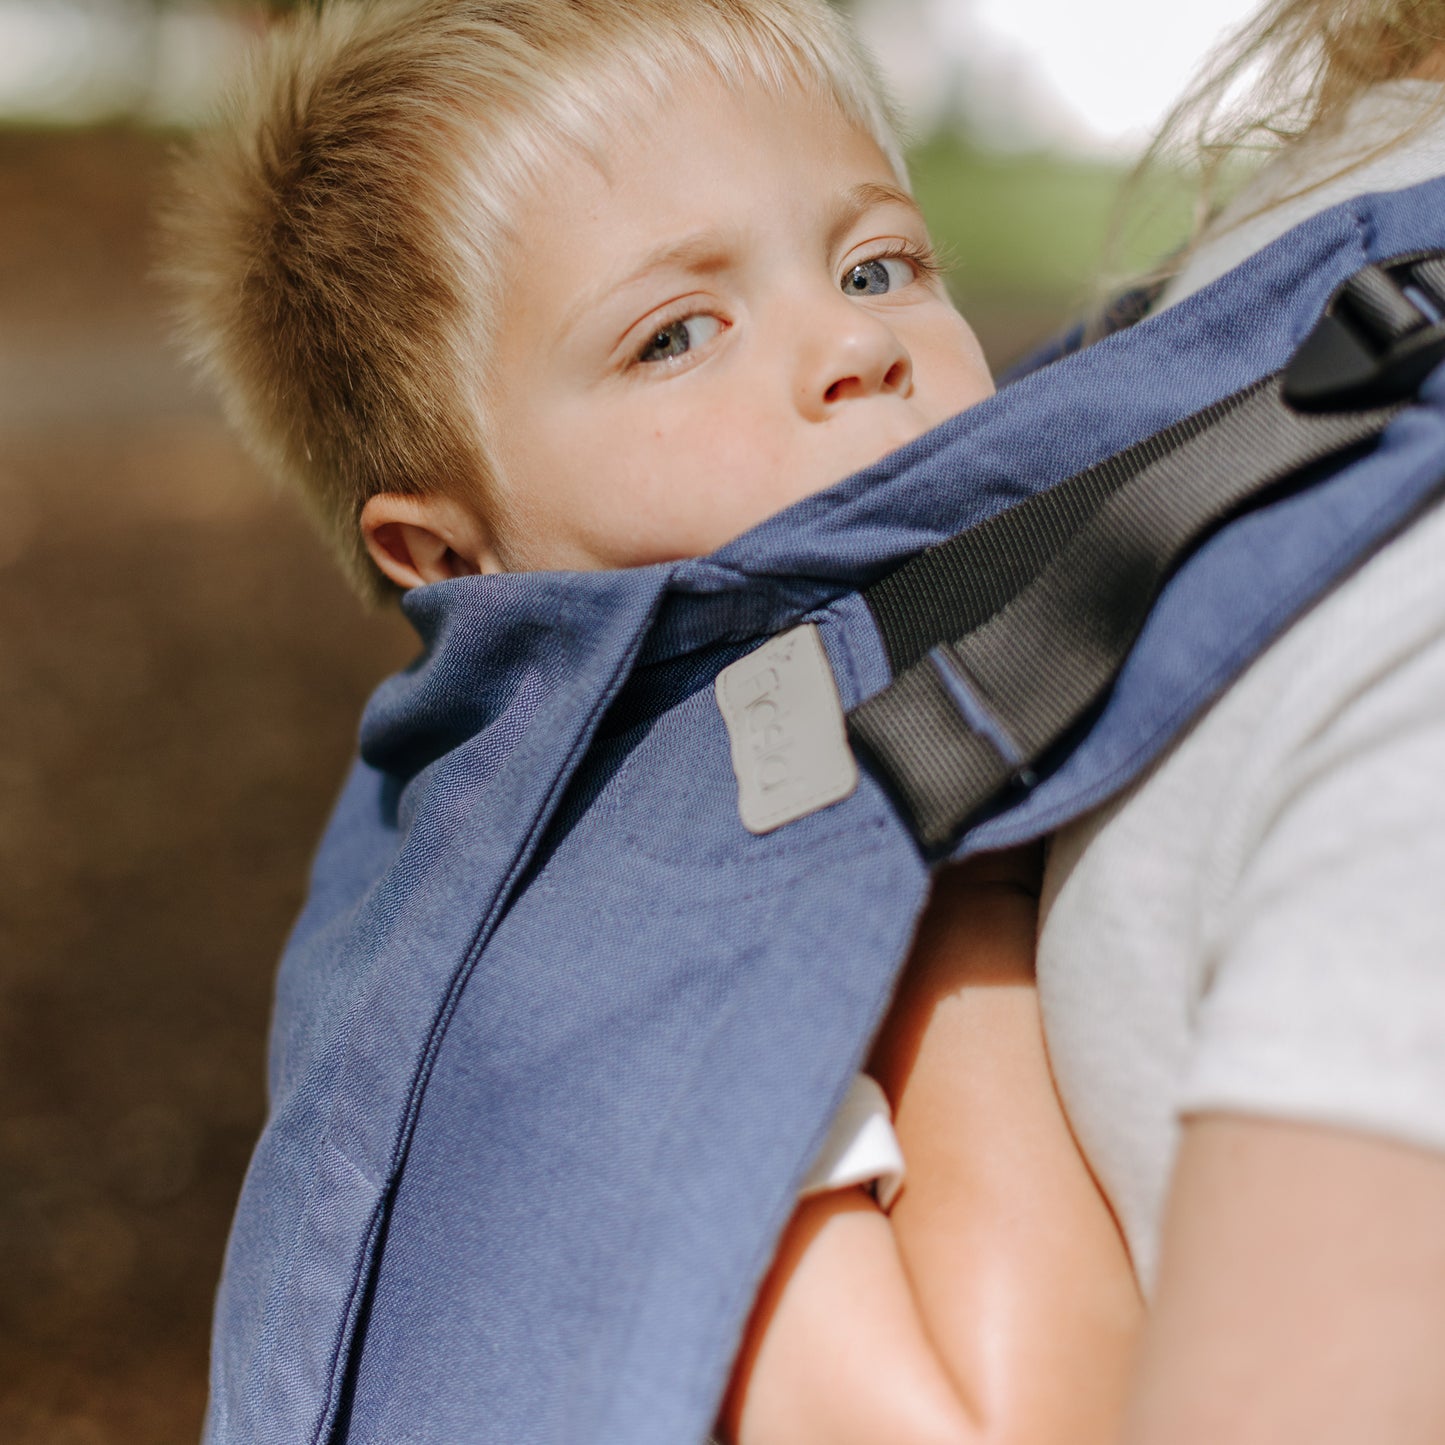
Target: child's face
(734, 312)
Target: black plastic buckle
(1382, 333)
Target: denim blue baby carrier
(557, 1035)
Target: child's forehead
(686, 99)
(704, 192)
(598, 109)
(716, 115)
(533, 172)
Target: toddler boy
(574, 284)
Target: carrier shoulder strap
(1004, 638)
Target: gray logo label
(785, 723)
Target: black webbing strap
(1003, 638)
(950, 589)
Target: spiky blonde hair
(333, 238)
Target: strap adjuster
(1382, 333)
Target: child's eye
(879, 276)
(680, 337)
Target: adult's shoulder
(1390, 137)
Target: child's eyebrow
(700, 253)
(860, 199)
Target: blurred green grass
(1037, 229)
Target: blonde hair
(1292, 69)
(332, 240)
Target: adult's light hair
(1292, 68)
(335, 240)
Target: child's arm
(836, 1352)
(1017, 1265)
(997, 1304)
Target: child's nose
(858, 356)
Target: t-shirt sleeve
(861, 1147)
(1325, 995)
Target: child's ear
(415, 540)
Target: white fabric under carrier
(1257, 927)
(861, 1147)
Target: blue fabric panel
(464, 758)
(555, 1038)
(603, 1309)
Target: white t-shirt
(1258, 925)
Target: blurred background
(181, 672)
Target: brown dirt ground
(180, 677)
